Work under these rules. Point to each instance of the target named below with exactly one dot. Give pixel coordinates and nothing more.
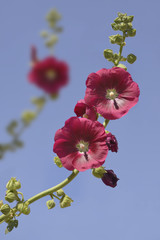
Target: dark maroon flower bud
(112, 142)
(80, 108)
(110, 178)
(34, 58)
(83, 110)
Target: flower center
(82, 146)
(50, 75)
(111, 94)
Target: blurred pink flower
(48, 74)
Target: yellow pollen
(111, 94)
(82, 146)
(51, 75)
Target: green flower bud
(17, 185)
(60, 192)
(108, 54)
(53, 16)
(11, 196)
(26, 210)
(129, 19)
(124, 18)
(65, 201)
(116, 39)
(122, 66)
(39, 102)
(50, 204)
(44, 34)
(13, 184)
(57, 161)
(52, 40)
(98, 172)
(116, 56)
(121, 15)
(129, 26)
(131, 33)
(115, 26)
(117, 20)
(23, 208)
(131, 58)
(112, 39)
(28, 117)
(123, 26)
(5, 209)
(20, 207)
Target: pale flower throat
(111, 94)
(82, 146)
(50, 75)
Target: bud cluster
(15, 128)
(64, 201)
(21, 206)
(122, 23)
(15, 143)
(51, 38)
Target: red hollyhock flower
(49, 74)
(83, 110)
(110, 178)
(112, 92)
(81, 144)
(112, 142)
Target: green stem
(120, 51)
(47, 192)
(106, 121)
(55, 188)
(56, 197)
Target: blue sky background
(130, 211)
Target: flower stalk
(38, 196)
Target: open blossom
(112, 92)
(49, 74)
(110, 178)
(83, 110)
(112, 142)
(81, 144)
